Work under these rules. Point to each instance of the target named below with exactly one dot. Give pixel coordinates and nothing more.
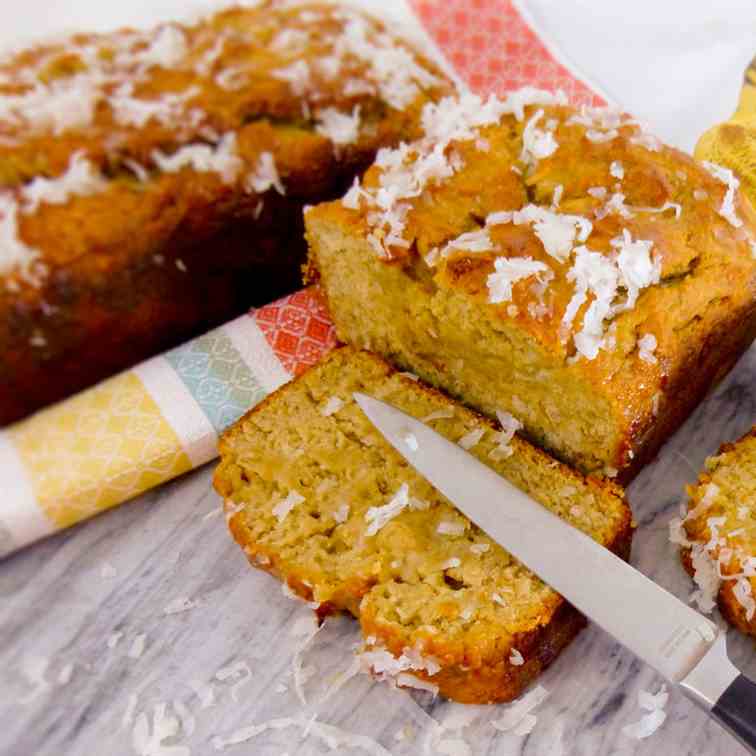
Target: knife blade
(679, 642)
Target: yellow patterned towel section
(733, 143)
(152, 423)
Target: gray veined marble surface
(64, 602)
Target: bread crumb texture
(717, 533)
(319, 499)
(560, 264)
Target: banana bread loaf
(560, 264)
(316, 496)
(717, 533)
(152, 183)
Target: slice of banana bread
(152, 182)
(717, 534)
(559, 264)
(318, 498)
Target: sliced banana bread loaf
(717, 533)
(318, 498)
(560, 264)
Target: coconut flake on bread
(534, 268)
(420, 577)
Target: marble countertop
(89, 657)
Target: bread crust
(469, 673)
(730, 607)
(148, 261)
(702, 313)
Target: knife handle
(736, 710)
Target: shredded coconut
(81, 178)
(498, 599)
(307, 628)
(743, 594)
(536, 143)
(556, 197)
(114, 639)
(297, 75)
(617, 170)
(445, 527)
(283, 507)
(471, 439)
(480, 548)
(647, 141)
(180, 604)
(508, 271)
(57, 107)
(516, 659)
(265, 176)
(166, 49)
(509, 426)
(169, 109)
(557, 231)
(333, 737)
(128, 715)
(137, 646)
(332, 406)
(632, 268)
(342, 513)
(238, 671)
(646, 348)
(107, 571)
(601, 136)
(188, 720)
(649, 723)
(517, 715)
(340, 128)
(203, 158)
(451, 563)
(15, 255)
(442, 414)
(727, 177)
(377, 517)
(407, 170)
(148, 740)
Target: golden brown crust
(729, 485)
(156, 254)
(469, 678)
(474, 669)
(702, 314)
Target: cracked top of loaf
(97, 130)
(607, 247)
(563, 219)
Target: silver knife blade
(654, 624)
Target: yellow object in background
(733, 143)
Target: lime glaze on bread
(561, 265)
(717, 533)
(317, 497)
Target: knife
(681, 644)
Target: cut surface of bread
(152, 181)
(318, 498)
(556, 263)
(717, 535)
